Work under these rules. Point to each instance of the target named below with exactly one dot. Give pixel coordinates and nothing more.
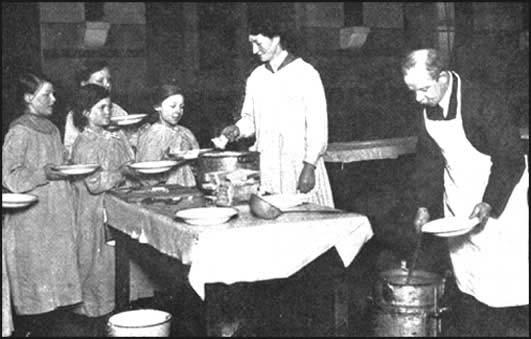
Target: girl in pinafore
(167, 136)
(41, 256)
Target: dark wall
(20, 49)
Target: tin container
(405, 308)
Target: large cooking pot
(211, 163)
(408, 308)
(222, 161)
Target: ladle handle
(313, 211)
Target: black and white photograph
(265, 169)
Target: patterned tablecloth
(246, 248)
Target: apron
(491, 264)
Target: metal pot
(224, 161)
(213, 165)
(408, 309)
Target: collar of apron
(287, 60)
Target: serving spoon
(265, 210)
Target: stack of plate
(152, 167)
(450, 226)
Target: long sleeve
(18, 175)
(504, 147)
(246, 122)
(91, 153)
(151, 146)
(189, 141)
(102, 180)
(316, 119)
(427, 178)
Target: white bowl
(77, 169)
(17, 200)
(152, 167)
(206, 215)
(129, 119)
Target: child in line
(167, 136)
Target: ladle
(265, 210)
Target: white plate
(453, 233)
(190, 154)
(286, 200)
(450, 226)
(77, 169)
(16, 200)
(151, 167)
(128, 119)
(206, 215)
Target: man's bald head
(428, 58)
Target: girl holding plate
(112, 151)
(97, 72)
(41, 256)
(166, 136)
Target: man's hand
(422, 217)
(231, 132)
(482, 212)
(52, 174)
(307, 178)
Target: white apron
(491, 264)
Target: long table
(245, 249)
(390, 148)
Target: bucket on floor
(139, 323)
(409, 309)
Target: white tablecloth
(273, 251)
(246, 248)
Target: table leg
(341, 298)
(121, 271)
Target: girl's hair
(86, 98)
(28, 82)
(89, 67)
(160, 93)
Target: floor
(301, 314)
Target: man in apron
(469, 157)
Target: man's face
(264, 47)
(428, 91)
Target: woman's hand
(52, 174)
(422, 217)
(231, 132)
(307, 178)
